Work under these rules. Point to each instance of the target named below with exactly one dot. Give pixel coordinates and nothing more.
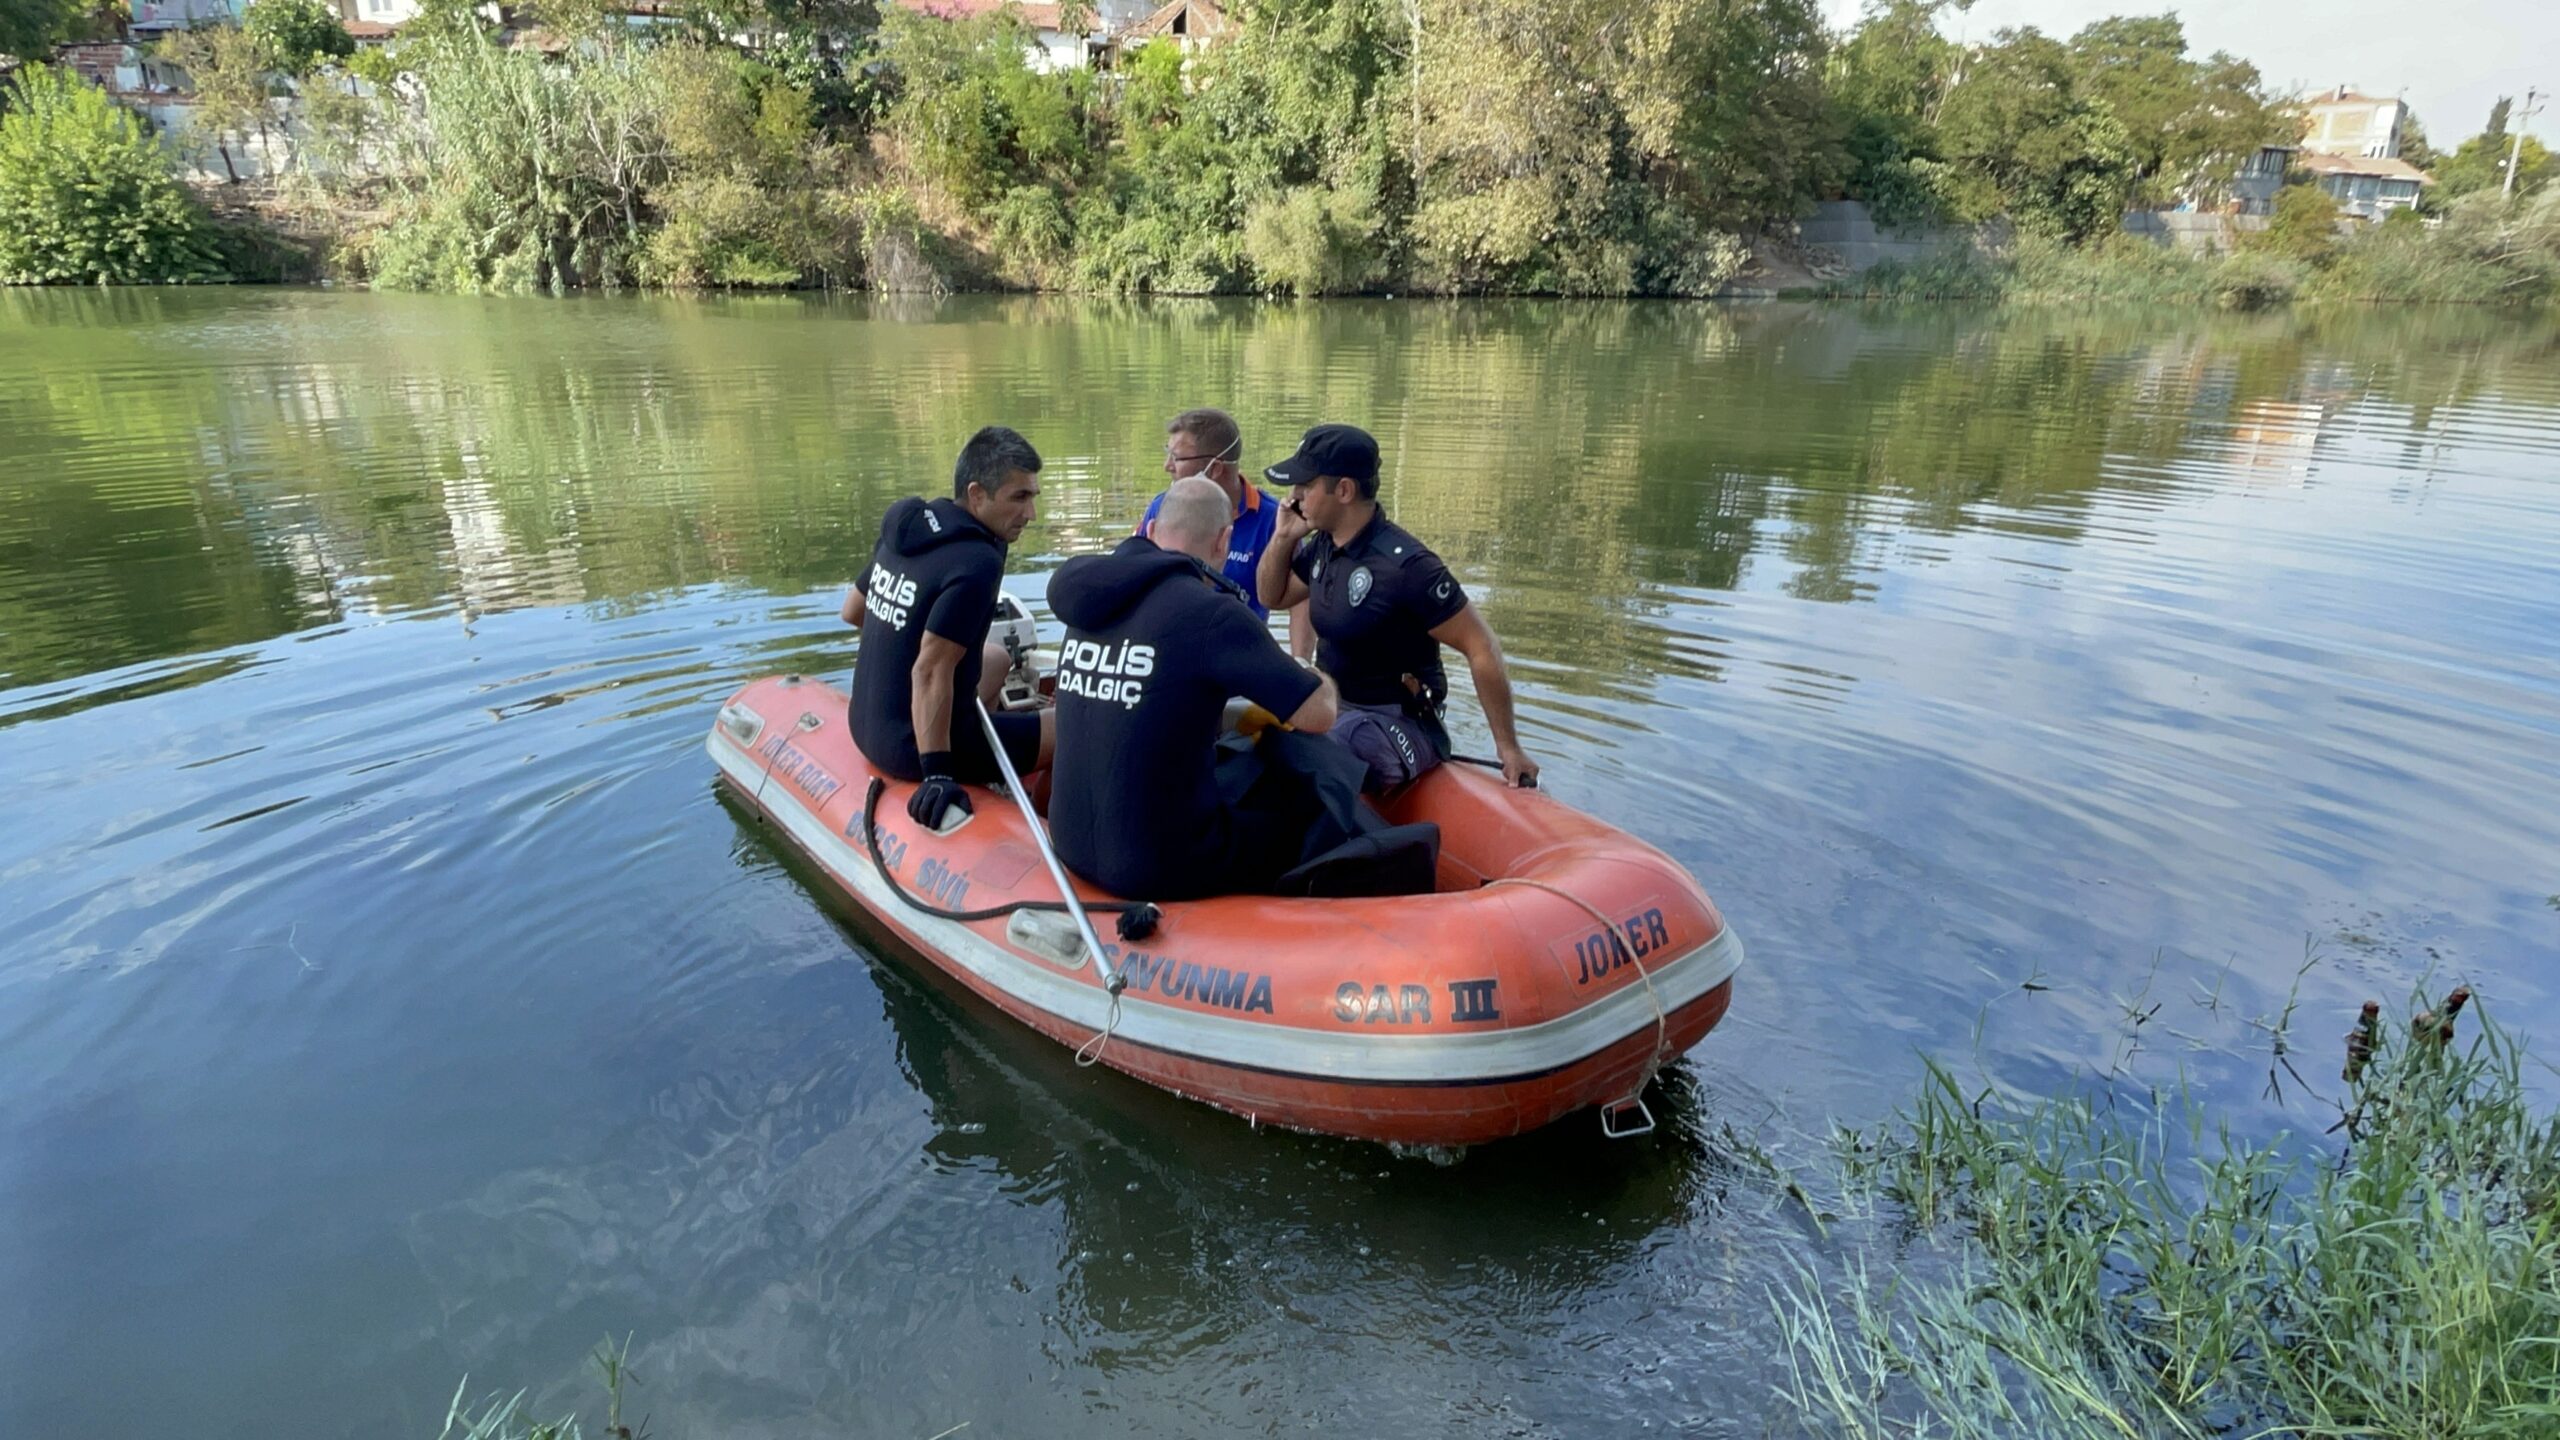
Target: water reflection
(207, 470)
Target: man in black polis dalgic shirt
(1157, 640)
(925, 606)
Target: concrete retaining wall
(1846, 229)
(2193, 231)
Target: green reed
(2137, 1273)
(504, 1417)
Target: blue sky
(2451, 58)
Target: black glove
(939, 794)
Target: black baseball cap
(1346, 451)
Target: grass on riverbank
(2486, 251)
(2154, 1277)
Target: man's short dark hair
(1213, 433)
(990, 456)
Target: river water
(387, 996)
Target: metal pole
(2515, 147)
(1112, 982)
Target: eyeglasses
(1222, 454)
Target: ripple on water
(387, 996)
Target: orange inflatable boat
(1559, 966)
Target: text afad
(1114, 673)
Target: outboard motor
(1020, 637)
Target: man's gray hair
(991, 455)
(1194, 513)
(1213, 433)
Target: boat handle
(1113, 981)
(1611, 1127)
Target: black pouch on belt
(1425, 701)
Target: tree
(296, 36)
(1514, 153)
(2413, 142)
(2021, 140)
(228, 68)
(1310, 94)
(1724, 108)
(952, 79)
(30, 29)
(1886, 85)
(818, 45)
(2496, 129)
(86, 196)
(1613, 146)
(335, 125)
(2304, 226)
(2481, 164)
(2190, 122)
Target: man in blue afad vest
(1157, 640)
(924, 607)
(1383, 605)
(1209, 444)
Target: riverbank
(270, 235)
(2118, 1264)
(267, 233)
(2486, 253)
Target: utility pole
(2515, 148)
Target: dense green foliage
(1452, 145)
(1575, 147)
(297, 36)
(2304, 227)
(2480, 163)
(2057, 137)
(86, 195)
(31, 28)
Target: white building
(2368, 189)
(157, 17)
(2342, 122)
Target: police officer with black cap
(1383, 607)
(1157, 640)
(925, 606)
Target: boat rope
(806, 723)
(1626, 952)
(1091, 1050)
(1137, 917)
(764, 777)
